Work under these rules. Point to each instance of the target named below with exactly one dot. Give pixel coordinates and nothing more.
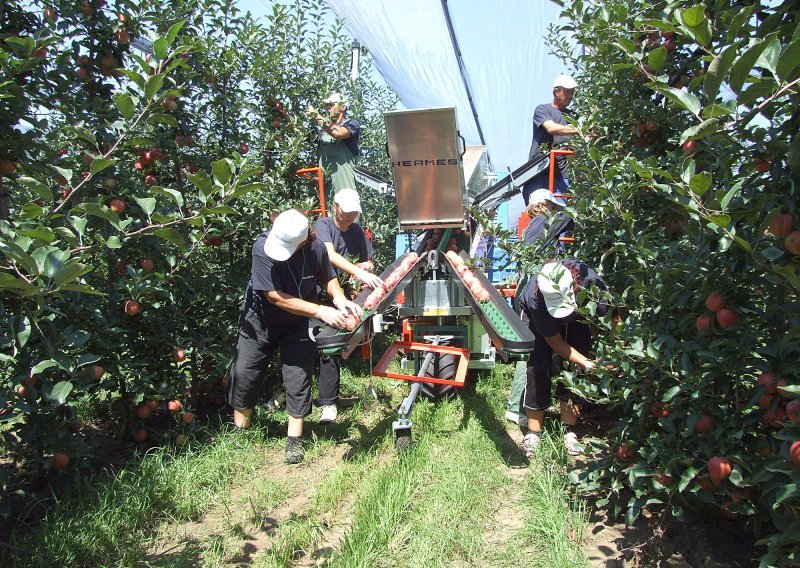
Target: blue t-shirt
(301, 276)
(542, 114)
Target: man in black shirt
(345, 241)
(289, 267)
(549, 128)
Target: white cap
(565, 81)
(336, 98)
(555, 283)
(287, 234)
(348, 200)
(545, 195)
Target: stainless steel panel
(427, 168)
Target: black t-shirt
(299, 276)
(542, 114)
(540, 322)
(352, 243)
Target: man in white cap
(337, 143)
(549, 128)
(549, 307)
(345, 240)
(289, 267)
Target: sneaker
(574, 447)
(277, 401)
(294, 450)
(518, 419)
(329, 414)
(529, 443)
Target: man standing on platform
(337, 144)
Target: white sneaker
(574, 447)
(329, 414)
(529, 443)
(518, 419)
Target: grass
(354, 502)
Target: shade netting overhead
(506, 62)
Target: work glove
(344, 305)
(371, 280)
(331, 316)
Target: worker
(289, 266)
(337, 144)
(344, 240)
(549, 129)
(548, 223)
(550, 308)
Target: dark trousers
(540, 366)
(329, 377)
(255, 347)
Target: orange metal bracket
(553, 154)
(457, 380)
(310, 173)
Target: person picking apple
(344, 238)
(337, 143)
(289, 266)
(550, 308)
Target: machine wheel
(403, 442)
(444, 367)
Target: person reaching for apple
(343, 238)
(549, 305)
(289, 267)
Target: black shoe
(294, 450)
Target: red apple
(792, 243)
(147, 265)
(122, 37)
(767, 380)
(132, 308)
(715, 302)
(150, 180)
(765, 401)
(660, 409)
(117, 206)
(782, 224)
(179, 355)
(50, 15)
(793, 410)
(719, 469)
(152, 405)
(82, 73)
(727, 318)
(174, 406)
(142, 412)
(689, 147)
(704, 425)
(7, 167)
(140, 435)
(187, 417)
(794, 453)
(624, 452)
(774, 417)
(98, 372)
(59, 461)
(703, 323)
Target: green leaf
(70, 272)
(64, 172)
(173, 193)
(222, 171)
(161, 118)
(173, 31)
(39, 233)
(137, 78)
(769, 57)
(147, 204)
(101, 211)
(160, 48)
(739, 20)
(202, 182)
(15, 252)
(114, 242)
(686, 478)
(696, 24)
(720, 220)
(700, 183)
(656, 58)
(772, 253)
(670, 394)
(626, 45)
(783, 493)
(705, 128)
(742, 67)
(37, 187)
(683, 99)
(60, 392)
(23, 332)
(100, 164)
(788, 60)
(717, 70)
(11, 282)
(219, 210)
(82, 288)
(125, 105)
(732, 192)
(246, 188)
(153, 85)
(42, 365)
(173, 236)
(85, 134)
(694, 16)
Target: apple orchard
(134, 183)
